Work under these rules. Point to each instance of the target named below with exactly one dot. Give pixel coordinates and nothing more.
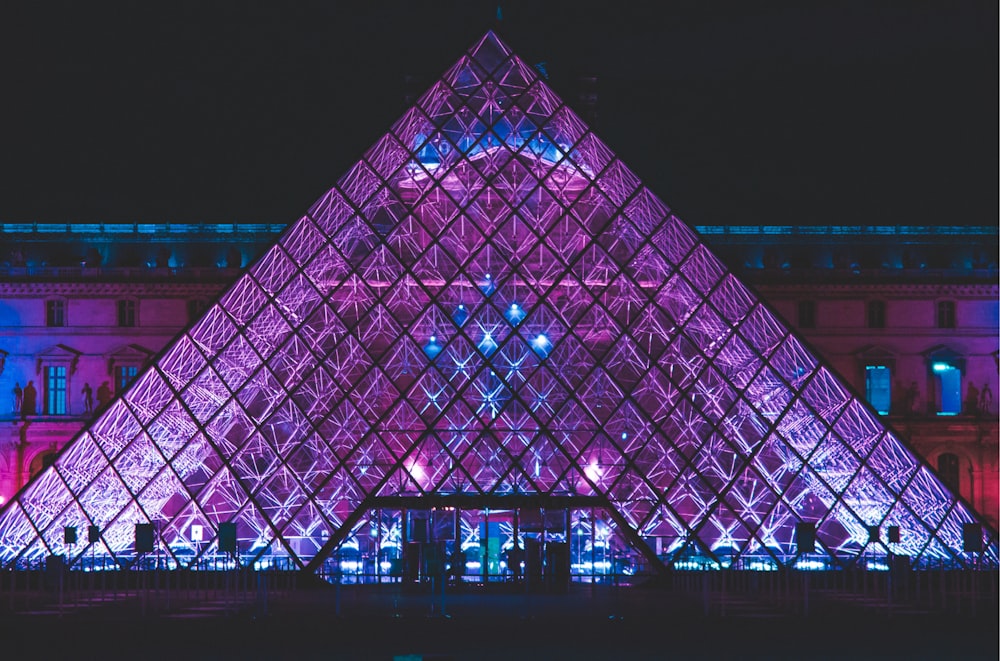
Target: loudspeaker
(894, 534)
(805, 537)
(873, 534)
(144, 538)
(227, 537)
(93, 534)
(972, 538)
(69, 535)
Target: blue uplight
(541, 345)
(487, 345)
(488, 286)
(432, 348)
(460, 315)
(514, 314)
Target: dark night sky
(851, 112)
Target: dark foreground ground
(386, 623)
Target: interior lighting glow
(460, 316)
(940, 367)
(487, 345)
(416, 471)
(432, 348)
(514, 314)
(593, 471)
(541, 345)
(488, 286)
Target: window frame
(945, 314)
(806, 314)
(55, 401)
(940, 361)
(127, 312)
(872, 365)
(875, 314)
(55, 313)
(123, 374)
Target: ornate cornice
(921, 289)
(111, 289)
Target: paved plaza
(583, 622)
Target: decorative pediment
(874, 354)
(129, 354)
(58, 354)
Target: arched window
(947, 465)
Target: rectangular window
(126, 313)
(55, 313)
(124, 374)
(807, 314)
(55, 390)
(946, 314)
(878, 379)
(948, 380)
(876, 314)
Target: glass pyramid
(490, 305)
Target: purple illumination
(490, 303)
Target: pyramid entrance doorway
(535, 540)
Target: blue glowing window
(878, 384)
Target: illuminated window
(947, 465)
(878, 380)
(946, 314)
(124, 374)
(126, 313)
(55, 312)
(807, 314)
(55, 390)
(948, 382)
(876, 314)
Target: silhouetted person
(972, 398)
(514, 558)
(103, 394)
(29, 400)
(910, 399)
(88, 398)
(985, 399)
(456, 565)
(18, 397)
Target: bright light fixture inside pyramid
(540, 343)
(514, 314)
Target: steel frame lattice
(490, 302)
